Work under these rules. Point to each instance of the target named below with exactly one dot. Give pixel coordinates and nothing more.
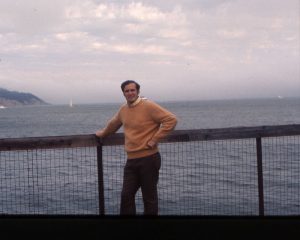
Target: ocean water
(215, 178)
(58, 120)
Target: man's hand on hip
(151, 144)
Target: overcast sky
(176, 49)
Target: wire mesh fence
(48, 181)
(282, 175)
(215, 177)
(196, 178)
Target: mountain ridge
(14, 98)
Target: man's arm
(112, 126)
(167, 122)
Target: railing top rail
(28, 143)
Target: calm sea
(57, 120)
(214, 178)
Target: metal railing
(228, 171)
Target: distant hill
(13, 98)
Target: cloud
(31, 17)
(209, 48)
(231, 34)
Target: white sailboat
(71, 103)
(2, 107)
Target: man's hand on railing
(100, 133)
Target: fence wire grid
(217, 177)
(51, 181)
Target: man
(145, 123)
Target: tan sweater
(142, 122)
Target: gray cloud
(177, 49)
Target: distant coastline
(14, 99)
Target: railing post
(260, 176)
(100, 178)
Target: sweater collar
(136, 102)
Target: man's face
(130, 92)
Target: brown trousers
(141, 173)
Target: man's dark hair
(123, 85)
